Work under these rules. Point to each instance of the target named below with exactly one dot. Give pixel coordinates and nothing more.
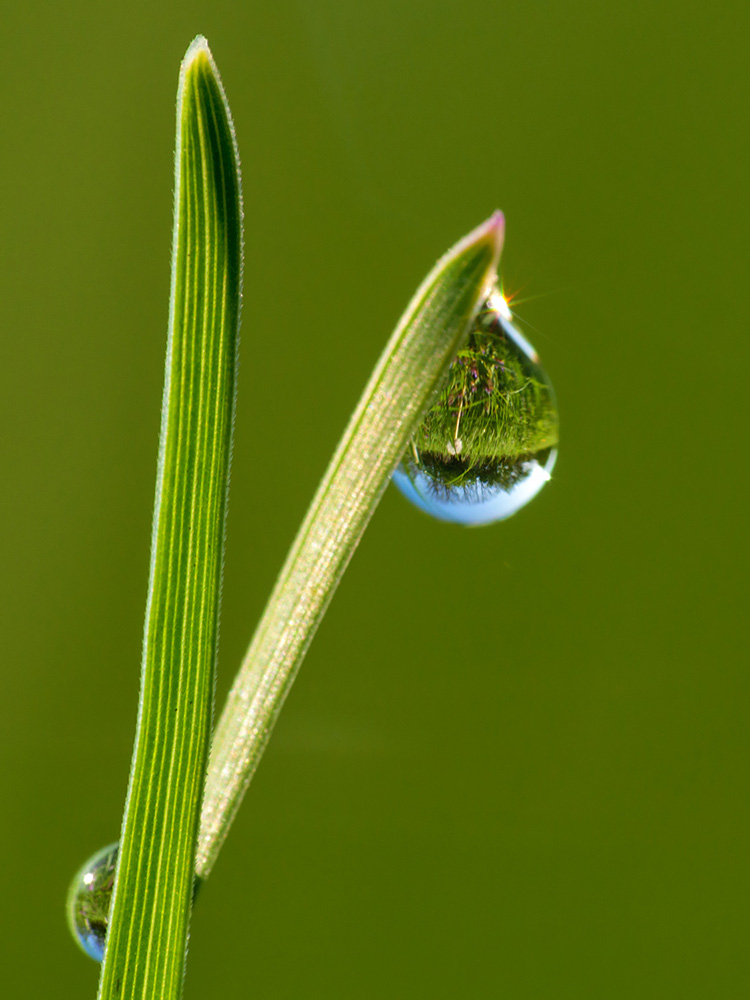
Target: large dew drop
(89, 897)
(489, 443)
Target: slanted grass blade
(411, 367)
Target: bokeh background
(515, 761)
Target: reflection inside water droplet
(89, 897)
(489, 443)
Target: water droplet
(489, 443)
(89, 897)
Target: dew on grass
(89, 897)
(489, 443)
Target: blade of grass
(410, 369)
(148, 928)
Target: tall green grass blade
(412, 366)
(147, 936)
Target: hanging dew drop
(489, 443)
(89, 897)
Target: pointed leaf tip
(488, 236)
(497, 221)
(198, 47)
(492, 230)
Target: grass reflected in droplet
(89, 898)
(489, 442)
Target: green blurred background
(515, 762)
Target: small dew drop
(89, 897)
(489, 443)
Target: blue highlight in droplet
(93, 946)
(476, 504)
